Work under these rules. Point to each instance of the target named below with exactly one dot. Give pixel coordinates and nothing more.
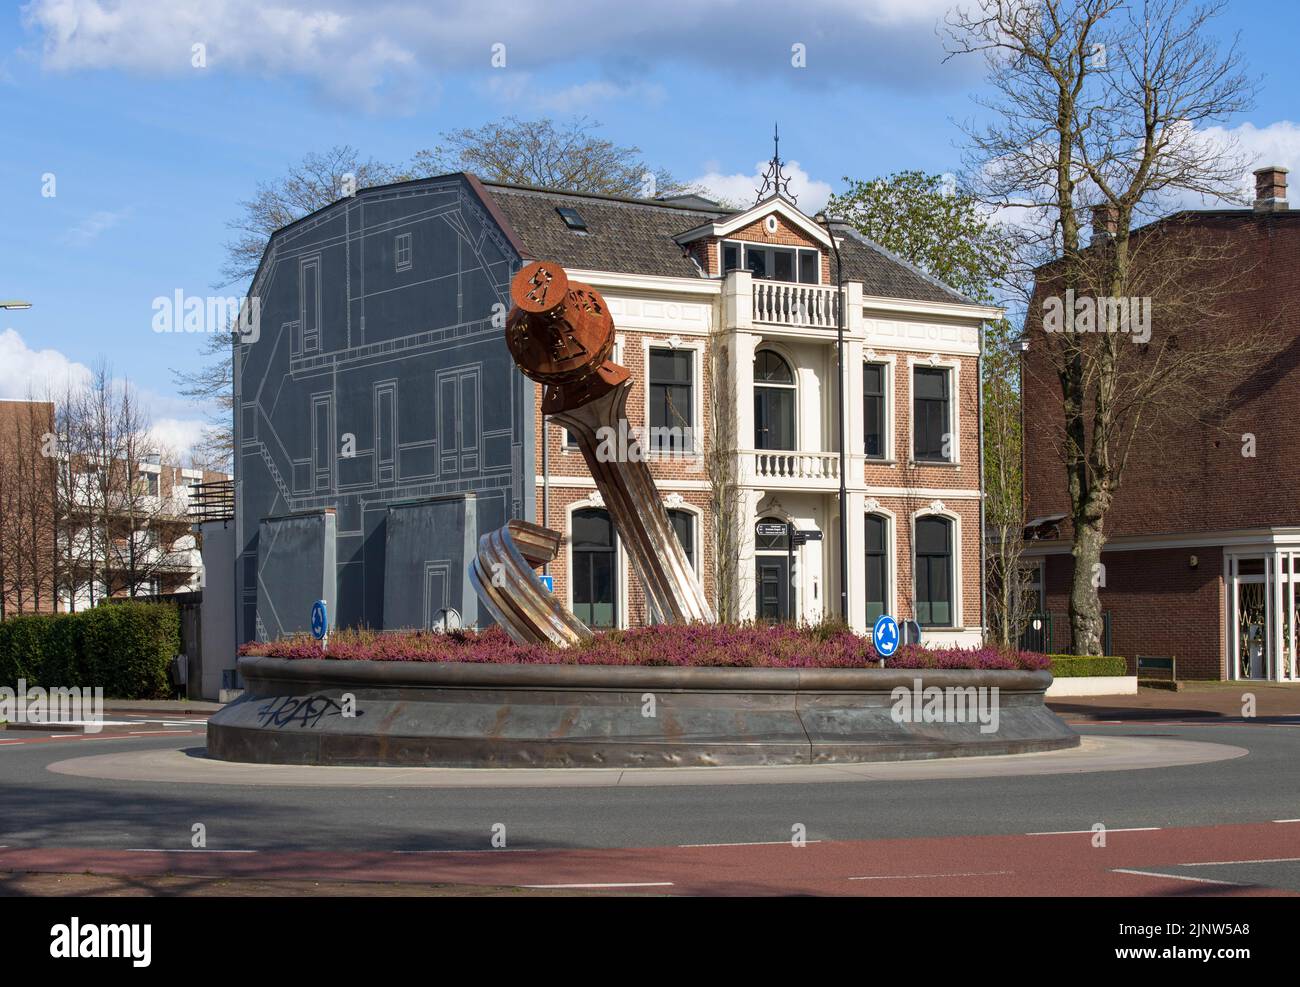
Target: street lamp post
(825, 221)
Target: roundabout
(542, 716)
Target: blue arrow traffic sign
(885, 635)
(319, 620)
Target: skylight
(572, 219)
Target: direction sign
(548, 582)
(885, 635)
(319, 620)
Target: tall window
(934, 572)
(671, 399)
(877, 566)
(683, 523)
(774, 395)
(931, 438)
(873, 409)
(595, 579)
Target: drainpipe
(979, 404)
(839, 363)
(546, 485)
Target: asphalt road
(1225, 814)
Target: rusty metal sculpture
(561, 335)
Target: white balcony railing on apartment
(803, 468)
(784, 303)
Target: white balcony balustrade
(791, 469)
(783, 303)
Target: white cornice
(1242, 537)
(647, 282)
(957, 310)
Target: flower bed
(697, 645)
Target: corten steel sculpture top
(561, 335)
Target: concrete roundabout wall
(395, 713)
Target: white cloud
(89, 229)
(742, 189)
(1278, 143)
(25, 372)
(34, 373)
(378, 54)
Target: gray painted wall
(429, 547)
(218, 606)
(296, 565)
(377, 376)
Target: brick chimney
(1105, 221)
(1270, 188)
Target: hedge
(123, 648)
(1078, 666)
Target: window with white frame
(932, 429)
(934, 571)
(683, 523)
(874, 376)
(772, 263)
(670, 397)
(877, 551)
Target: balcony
(784, 303)
(791, 470)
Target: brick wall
(1159, 604)
(1185, 478)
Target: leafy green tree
(933, 223)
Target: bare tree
(1098, 104)
(724, 481)
(538, 152)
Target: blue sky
(151, 155)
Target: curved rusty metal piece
(502, 575)
(672, 588)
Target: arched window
(934, 590)
(595, 572)
(774, 397)
(683, 523)
(877, 566)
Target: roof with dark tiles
(635, 236)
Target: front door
(773, 582)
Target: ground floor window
(934, 589)
(595, 575)
(877, 566)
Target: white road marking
(1077, 832)
(10, 743)
(682, 846)
(1286, 820)
(916, 877)
(1176, 877)
(561, 887)
(1225, 863)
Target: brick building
(380, 322)
(1204, 536)
(697, 290)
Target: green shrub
(1077, 666)
(123, 648)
